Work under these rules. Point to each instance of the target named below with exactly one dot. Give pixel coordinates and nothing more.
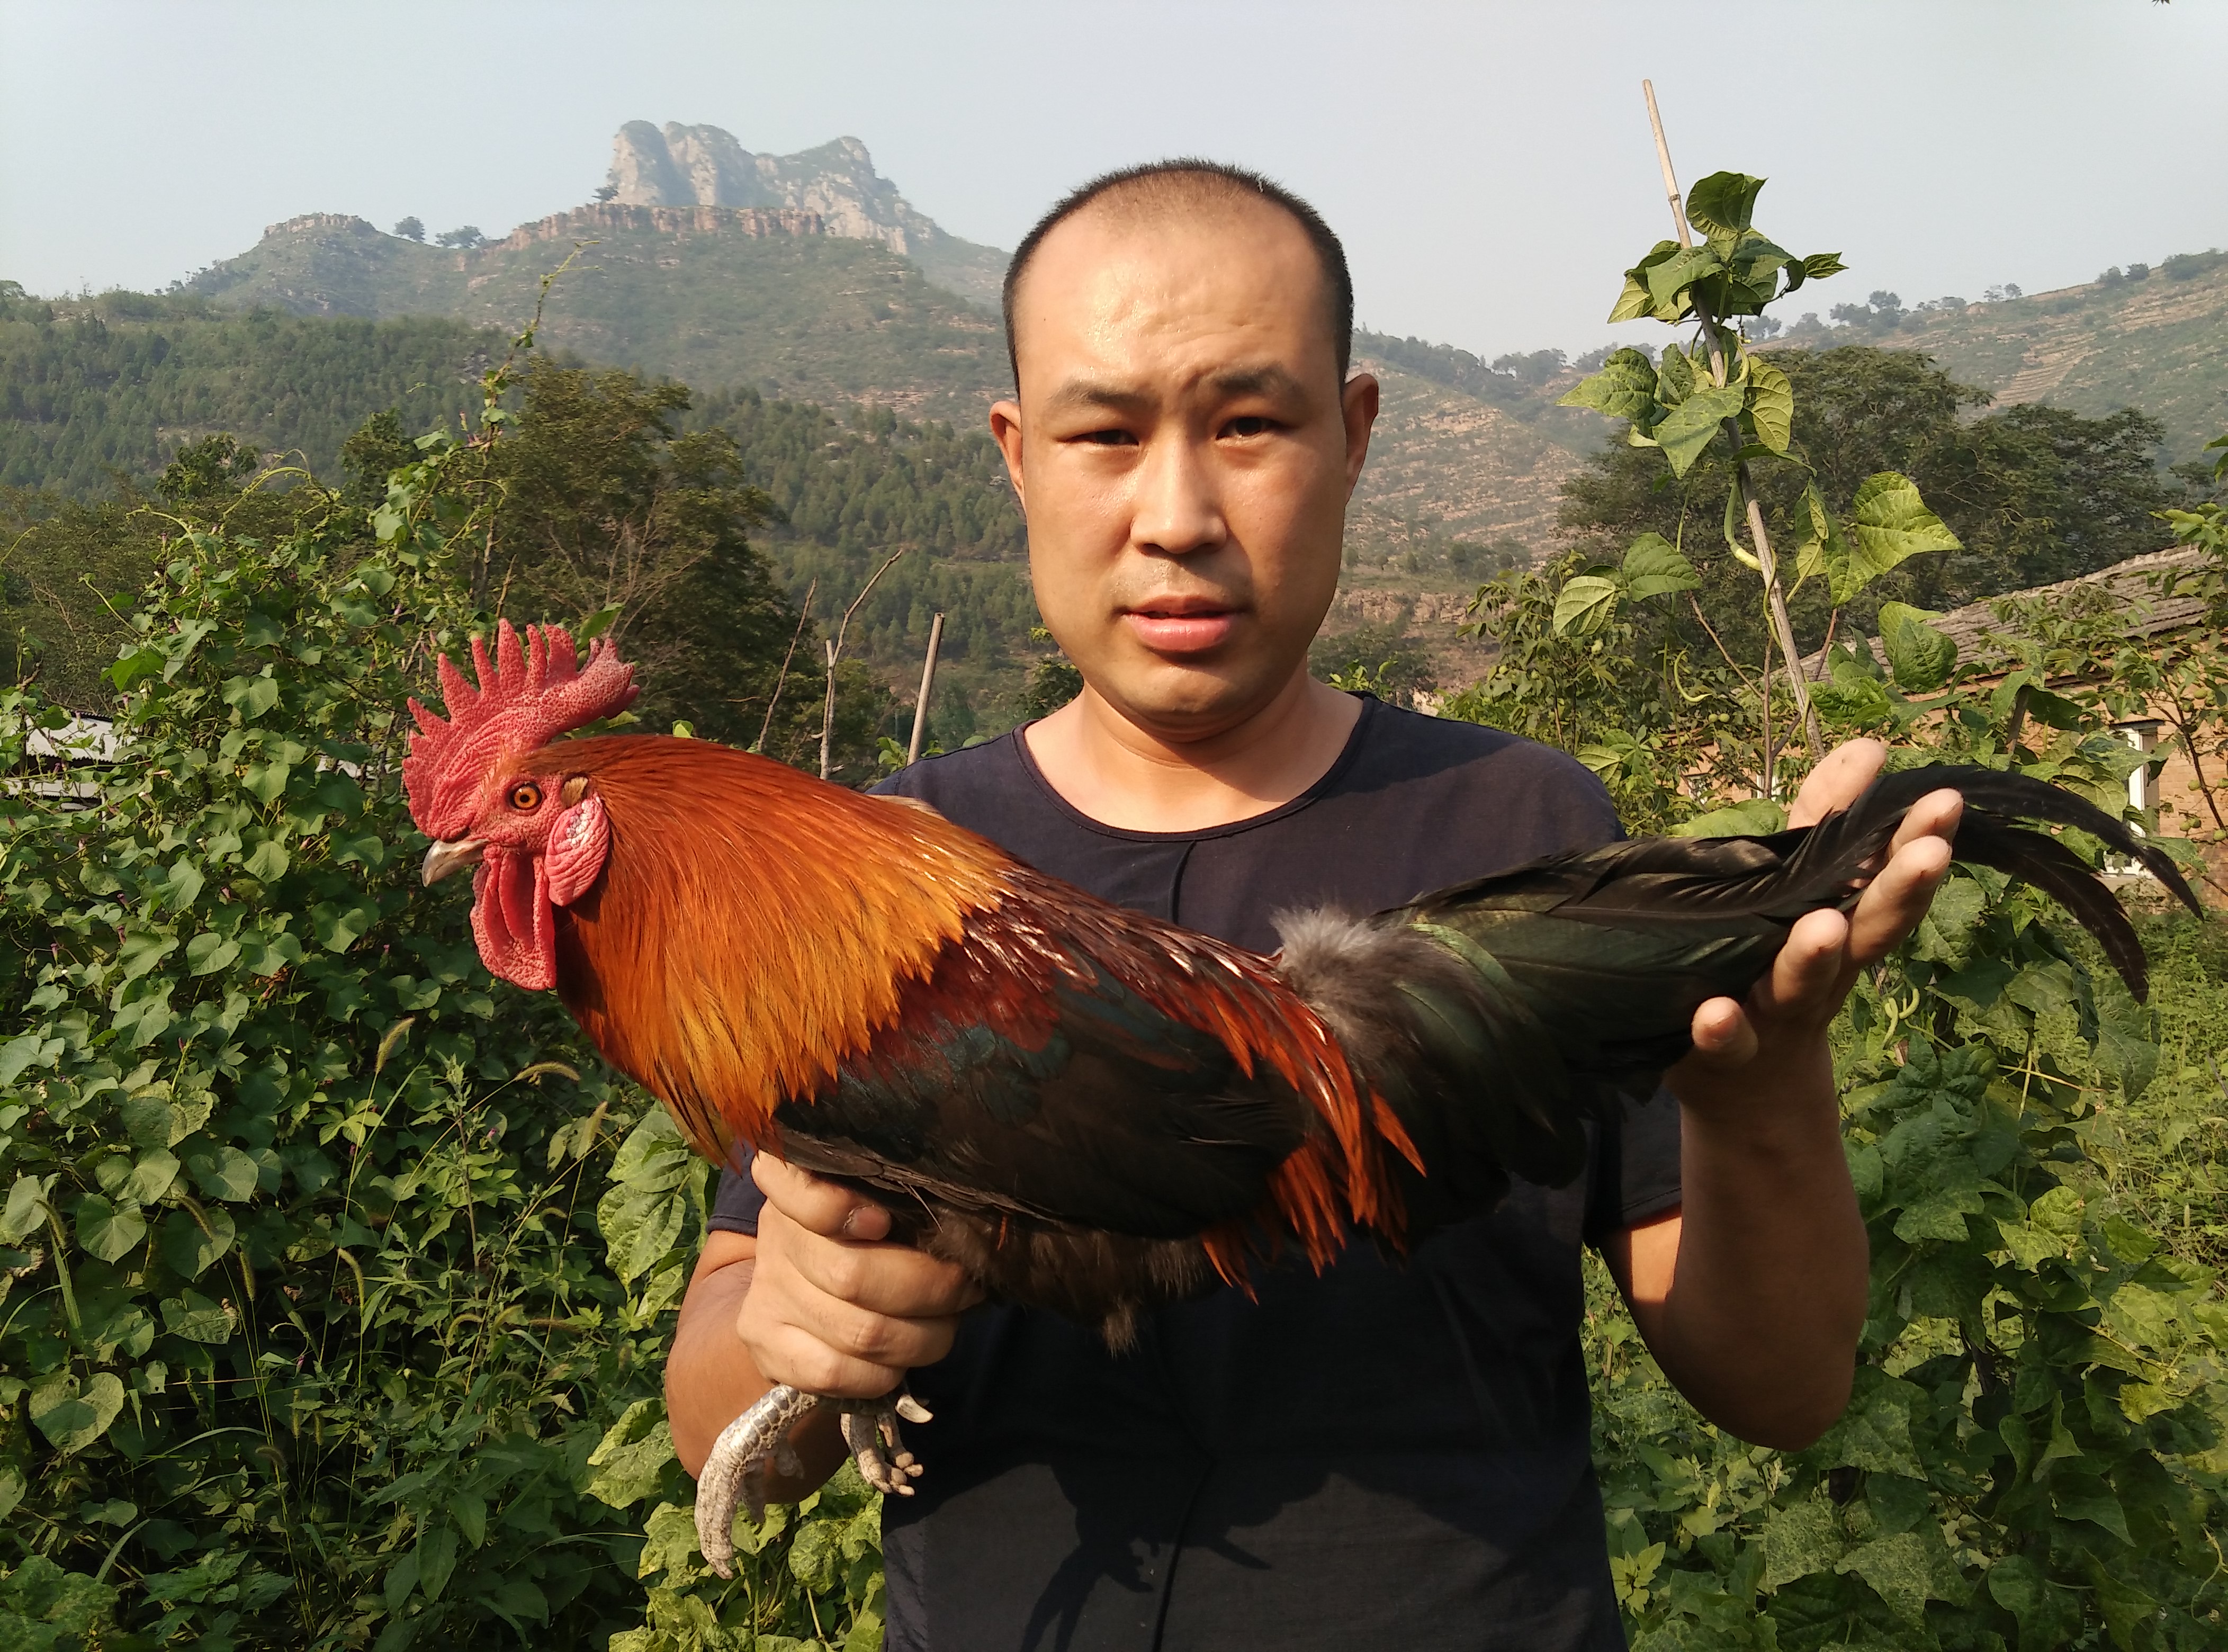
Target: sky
(1488, 165)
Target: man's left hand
(1779, 1033)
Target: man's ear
(1006, 430)
(1358, 406)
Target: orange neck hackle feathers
(754, 927)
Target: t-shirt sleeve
(1635, 1173)
(736, 1204)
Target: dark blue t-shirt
(1388, 1456)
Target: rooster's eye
(526, 797)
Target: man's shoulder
(948, 778)
(1411, 752)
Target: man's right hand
(833, 1307)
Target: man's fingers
(827, 1349)
(820, 1205)
(894, 1280)
(1841, 776)
(1896, 899)
(1808, 970)
(1723, 1034)
(1936, 814)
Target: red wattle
(513, 919)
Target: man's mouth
(1181, 625)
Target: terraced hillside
(2158, 342)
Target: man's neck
(1126, 775)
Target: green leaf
(1801, 1543)
(1818, 265)
(1906, 1571)
(195, 1317)
(265, 781)
(1919, 658)
(209, 952)
(632, 1456)
(1689, 427)
(188, 1248)
(268, 859)
(26, 1208)
(1874, 1432)
(1723, 204)
(1771, 404)
(222, 1173)
(108, 1231)
(152, 1176)
(338, 928)
(1890, 523)
(1586, 602)
(143, 949)
(1625, 389)
(72, 1415)
(669, 1543)
(1757, 817)
(26, 1050)
(437, 1559)
(1653, 567)
(1670, 282)
(595, 624)
(1635, 301)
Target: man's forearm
(1759, 1328)
(710, 1380)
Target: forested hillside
(715, 297)
(121, 383)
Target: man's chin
(1186, 700)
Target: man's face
(1184, 450)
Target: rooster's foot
(735, 1473)
(870, 1429)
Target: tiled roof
(2132, 582)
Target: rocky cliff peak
(677, 165)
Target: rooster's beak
(444, 858)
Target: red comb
(528, 695)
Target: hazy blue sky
(1489, 164)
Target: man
(1392, 1455)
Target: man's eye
(526, 797)
(1108, 438)
(1249, 425)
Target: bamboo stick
(1759, 540)
(927, 686)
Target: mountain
(717, 296)
(704, 166)
(2151, 338)
(810, 277)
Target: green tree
(2033, 494)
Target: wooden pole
(1759, 540)
(927, 686)
(836, 653)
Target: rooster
(1087, 1110)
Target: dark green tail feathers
(1497, 1017)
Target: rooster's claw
(735, 1473)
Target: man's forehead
(1123, 391)
(1106, 284)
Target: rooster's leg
(735, 1472)
(870, 1429)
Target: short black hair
(1207, 178)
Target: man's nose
(1179, 504)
